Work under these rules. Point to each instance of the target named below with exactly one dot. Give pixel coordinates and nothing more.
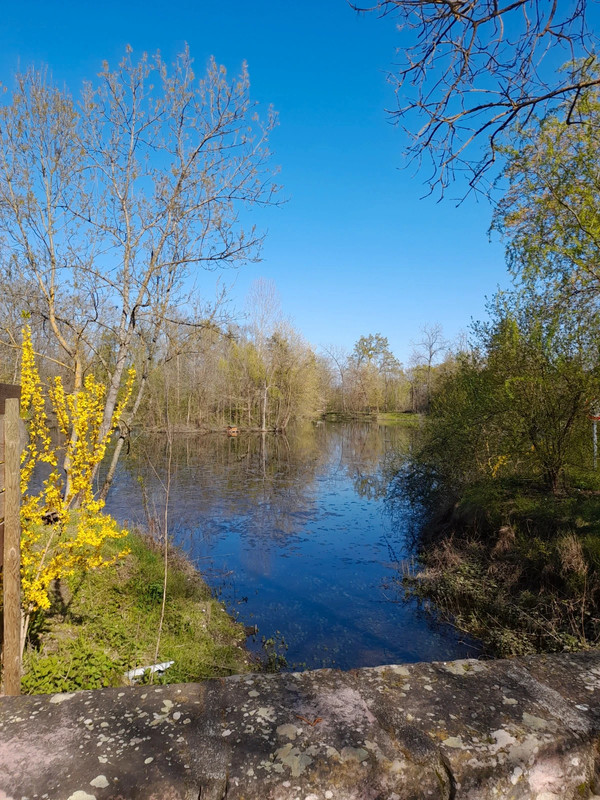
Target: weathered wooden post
(10, 532)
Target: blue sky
(354, 250)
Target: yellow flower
(73, 539)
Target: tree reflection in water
(295, 532)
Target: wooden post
(11, 579)
(2, 484)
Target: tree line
(370, 379)
(262, 375)
(255, 373)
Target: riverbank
(105, 622)
(405, 418)
(517, 568)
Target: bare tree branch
(468, 70)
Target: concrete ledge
(526, 728)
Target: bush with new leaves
(63, 525)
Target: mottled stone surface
(527, 728)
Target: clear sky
(354, 250)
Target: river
(297, 536)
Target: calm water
(296, 535)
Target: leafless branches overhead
(467, 71)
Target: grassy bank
(407, 419)
(516, 567)
(105, 622)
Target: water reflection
(295, 533)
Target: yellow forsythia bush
(63, 525)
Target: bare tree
(263, 306)
(263, 309)
(109, 205)
(426, 352)
(470, 69)
(338, 356)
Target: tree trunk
(110, 475)
(264, 407)
(77, 384)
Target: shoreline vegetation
(104, 622)
(514, 566)
(406, 418)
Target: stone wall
(526, 728)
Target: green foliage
(373, 348)
(550, 214)
(517, 407)
(148, 594)
(104, 623)
(508, 440)
(78, 664)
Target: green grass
(106, 621)
(407, 420)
